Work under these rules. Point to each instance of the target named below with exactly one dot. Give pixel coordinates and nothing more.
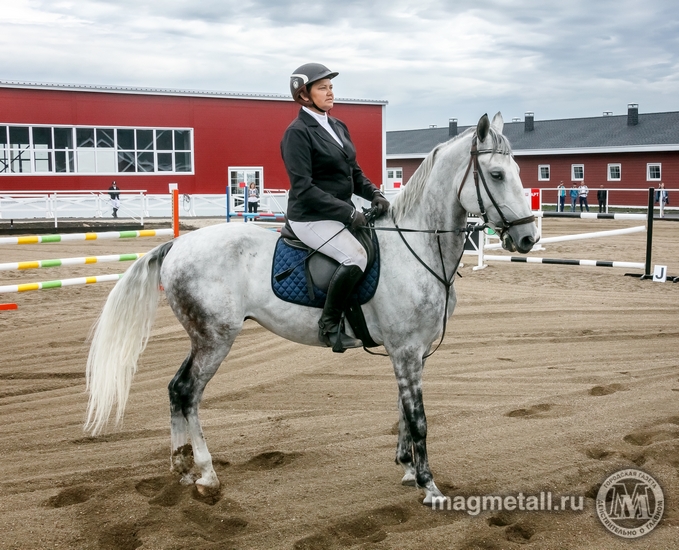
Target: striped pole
(581, 236)
(18, 266)
(558, 261)
(58, 284)
(41, 239)
(589, 215)
(4, 307)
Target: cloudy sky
(430, 59)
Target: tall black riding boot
(330, 330)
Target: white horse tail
(120, 336)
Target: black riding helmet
(306, 75)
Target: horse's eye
(499, 176)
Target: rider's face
(322, 95)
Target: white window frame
(648, 171)
(573, 167)
(609, 175)
(97, 152)
(549, 172)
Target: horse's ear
(482, 128)
(498, 122)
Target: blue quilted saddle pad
(294, 288)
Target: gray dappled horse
(217, 277)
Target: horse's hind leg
(404, 447)
(186, 390)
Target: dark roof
(655, 131)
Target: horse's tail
(119, 337)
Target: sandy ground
(550, 379)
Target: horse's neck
(439, 208)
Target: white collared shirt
(323, 121)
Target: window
(91, 150)
(653, 171)
(543, 172)
(577, 172)
(614, 172)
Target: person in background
(583, 191)
(661, 194)
(602, 197)
(561, 194)
(573, 194)
(113, 192)
(253, 198)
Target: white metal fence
(134, 204)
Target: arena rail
(646, 266)
(73, 237)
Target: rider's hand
(357, 220)
(380, 203)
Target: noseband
(474, 159)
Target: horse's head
(494, 191)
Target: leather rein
(444, 279)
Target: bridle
(474, 160)
(447, 279)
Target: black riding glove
(357, 220)
(381, 203)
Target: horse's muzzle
(523, 245)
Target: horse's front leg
(404, 447)
(408, 368)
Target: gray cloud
(430, 59)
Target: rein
(446, 281)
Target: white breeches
(341, 245)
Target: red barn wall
(228, 132)
(633, 174)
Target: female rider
(320, 159)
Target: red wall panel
(633, 174)
(227, 132)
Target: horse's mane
(415, 186)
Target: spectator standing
(114, 193)
(573, 193)
(583, 191)
(561, 194)
(253, 198)
(602, 197)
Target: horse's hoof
(207, 491)
(431, 491)
(409, 480)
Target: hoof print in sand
(364, 528)
(607, 390)
(270, 460)
(598, 454)
(665, 430)
(519, 532)
(70, 496)
(120, 537)
(535, 410)
(214, 527)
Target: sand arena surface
(550, 379)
